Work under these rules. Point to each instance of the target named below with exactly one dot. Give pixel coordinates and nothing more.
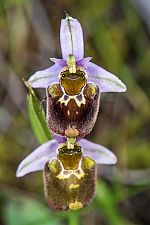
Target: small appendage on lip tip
(71, 134)
(71, 63)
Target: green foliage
(10, 3)
(27, 211)
(108, 206)
(37, 117)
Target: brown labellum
(69, 180)
(72, 103)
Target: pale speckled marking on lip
(74, 97)
(66, 100)
(75, 205)
(74, 186)
(65, 174)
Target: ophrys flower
(69, 174)
(74, 83)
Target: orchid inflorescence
(73, 86)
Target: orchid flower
(73, 87)
(69, 174)
(48, 151)
(71, 40)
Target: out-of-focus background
(117, 36)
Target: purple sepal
(83, 62)
(97, 152)
(71, 38)
(106, 81)
(59, 139)
(44, 78)
(59, 62)
(38, 158)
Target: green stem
(73, 218)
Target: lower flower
(69, 174)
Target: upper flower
(72, 47)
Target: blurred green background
(117, 36)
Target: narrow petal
(71, 38)
(83, 62)
(43, 78)
(37, 159)
(97, 152)
(59, 62)
(59, 139)
(106, 81)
